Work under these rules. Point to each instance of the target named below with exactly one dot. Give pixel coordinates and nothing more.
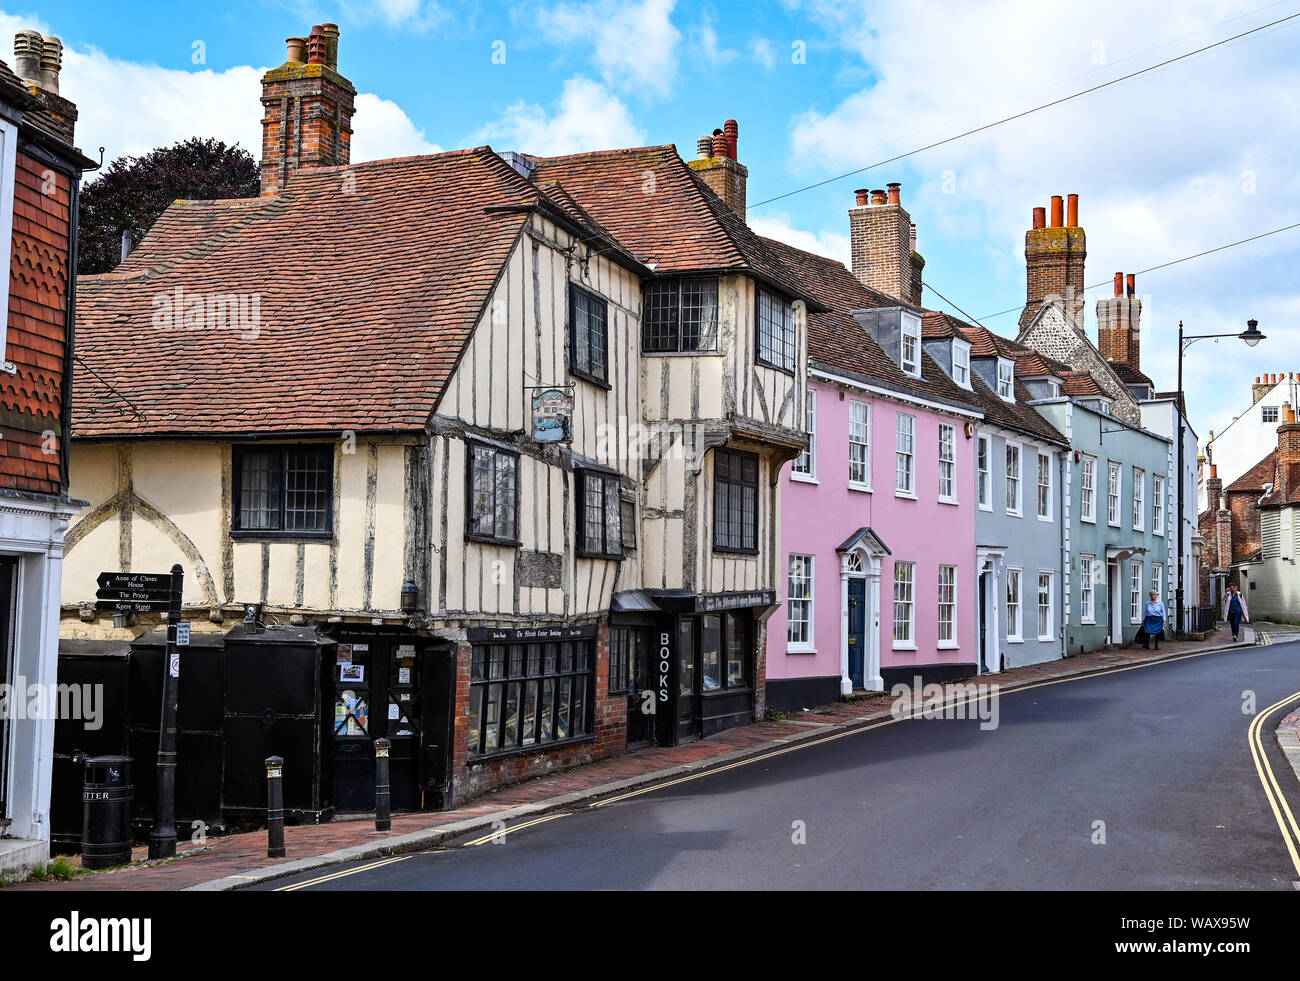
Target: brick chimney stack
(1288, 437)
(718, 167)
(307, 110)
(1054, 258)
(883, 244)
(38, 61)
(1119, 322)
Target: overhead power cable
(1031, 111)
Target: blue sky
(1185, 159)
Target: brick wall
(1119, 322)
(307, 121)
(727, 179)
(609, 728)
(1054, 261)
(1244, 518)
(881, 250)
(31, 418)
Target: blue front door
(857, 632)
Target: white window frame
(1051, 620)
(961, 377)
(1157, 580)
(8, 186)
(1115, 496)
(909, 642)
(984, 475)
(1041, 497)
(1015, 625)
(864, 484)
(1158, 504)
(1139, 499)
(1087, 495)
(1265, 411)
(909, 329)
(910, 455)
(950, 431)
(808, 563)
(808, 458)
(1136, 579)
(1006, 380)
(1019, 485)
(1087, 588)
(950, 643)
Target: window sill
(985, 507)
(591, 379)
(759, 362)
(950, 501)
(1085, 622)
(1087, 521)
(861, 488)
(1045, 519)
(1044, 640)
(904, 647)
(904, 495)
(797, 649)
(723, 550)
(489, 540)
(271, 535)
(497, 754)
(683, 354)
(601, 556)
(803, 478)
(1015, 640)
(947, 645)
(1015, 514)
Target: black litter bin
(106, 803)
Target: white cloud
(706, 43)
(586, 117)
(634, 45)
(131, 108)
(1175, 162)
(763, 52)
(779, 226)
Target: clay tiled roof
(365, 297)
(1257, 476)
(1130, 375)
(653, 203)
(1081, 384)
(839, 343)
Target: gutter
(890, 391)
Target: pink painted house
(878, 516)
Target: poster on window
(552, 413)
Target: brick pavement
(244, 855)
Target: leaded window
(284, 489)
(776, 340)
(589, 335)
(680, 315)
(601, 514)
(493, 504)
(525, 695)
(735, 501)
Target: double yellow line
(339, 875)
(1272, 791)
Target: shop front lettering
(665, 657)
(733, 601)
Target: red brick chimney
(718, 167)
(1054, 258)
(883, 244)
(1288, 437)
(308, 105)
(1119, 321)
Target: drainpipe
(70, 314)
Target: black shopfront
(688, 660)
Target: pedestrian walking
(1235, 610)
(1153, 621)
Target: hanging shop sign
(552, 413)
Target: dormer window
(910, 344)
(1006, 379)
(1054, 388)
(961, 363)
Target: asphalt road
(1159, 754)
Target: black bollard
(275, 807)
(383, 805)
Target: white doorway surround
(990, 567)
(860, 557)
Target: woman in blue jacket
(1153, 621)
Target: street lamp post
(1251, 336)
